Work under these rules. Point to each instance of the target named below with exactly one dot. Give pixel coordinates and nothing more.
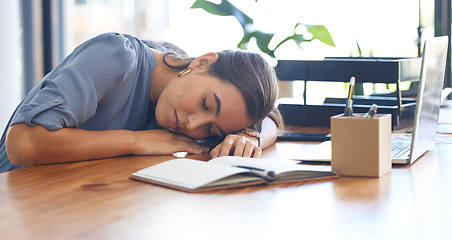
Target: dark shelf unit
(374, 70)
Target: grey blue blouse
(102, 85)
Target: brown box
(361, 146)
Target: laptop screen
(429, 96)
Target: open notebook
(426, 114)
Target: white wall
(10, 60)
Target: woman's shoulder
(111, 47)
(115, 37)
(112, 51)
(112, 42)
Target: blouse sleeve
(69, 95)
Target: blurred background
(37, 34)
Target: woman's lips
(175, 124)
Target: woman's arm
(29, 145)
(268, 133)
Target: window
(85, 19)
(383, 28)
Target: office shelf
(373, 70)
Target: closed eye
(204, 105)
(205, 108)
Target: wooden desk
(97, 200)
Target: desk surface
(97, 200)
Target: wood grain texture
(97, 200)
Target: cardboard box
(361, 146)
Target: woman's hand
(237, 145)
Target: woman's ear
(204, 61)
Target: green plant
(225, 8)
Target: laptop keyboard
(400, 149)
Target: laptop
(407, 148)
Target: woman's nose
(195, 121)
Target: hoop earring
(184, 72)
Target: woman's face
(199, 105)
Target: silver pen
(372, 111)
(267, 174)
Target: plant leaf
(246, 38)
(321, 33)
(263, 40)
(225, 8)
(297, 38)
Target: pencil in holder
(361, 146)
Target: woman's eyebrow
(218, 101)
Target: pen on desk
(349, 103)
(372, 111)
(261, 172)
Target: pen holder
(361, 146)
